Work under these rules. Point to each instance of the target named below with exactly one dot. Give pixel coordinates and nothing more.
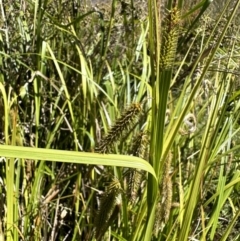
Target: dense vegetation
(119, 120)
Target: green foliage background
(119, 120)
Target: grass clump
(119, 120)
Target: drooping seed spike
(122, 124)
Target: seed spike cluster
(140, 143)
(170, 32)
(122, 124)
(135, 177)
(109, 209)
(165, 203)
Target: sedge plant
(120, 121)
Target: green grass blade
(76, 157)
